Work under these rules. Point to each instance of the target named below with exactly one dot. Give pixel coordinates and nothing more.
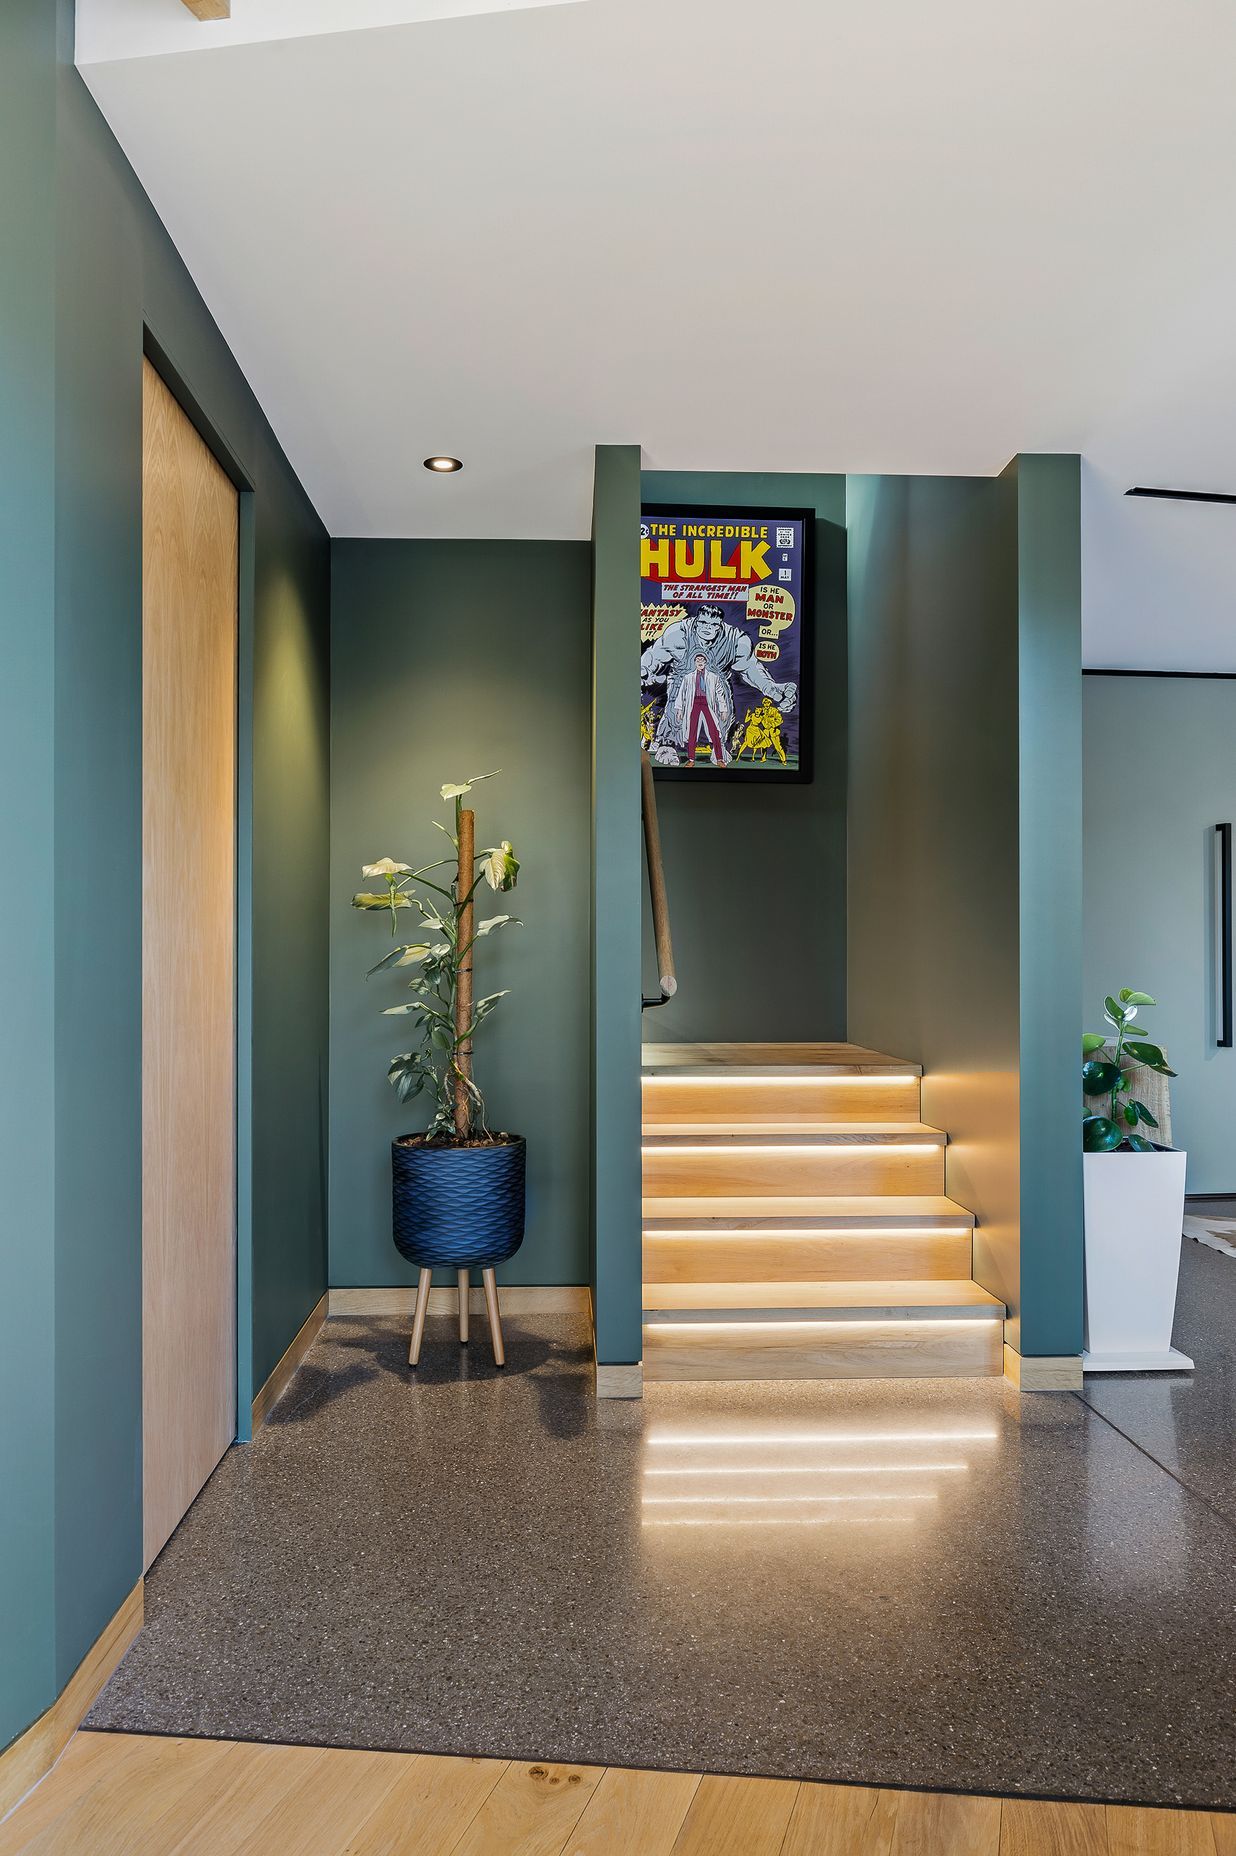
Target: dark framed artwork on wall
(726, 604)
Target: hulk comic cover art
(722, 616)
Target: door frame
(193, 406)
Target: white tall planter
(1134, 1223)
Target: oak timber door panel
(189, 587)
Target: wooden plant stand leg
(463, 1277)
(418, 1319)
(495, 1319)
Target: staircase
(795, 1224)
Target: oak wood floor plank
(135, 1809)
(841, 1820)
(930, 1823)
(1223, 1830)
(737, 1817)
(1029, 1827)
(1136, 1830)
(258, 1781)
(531, 1811)
(137, 1795)
(428, 1808)
(88, 1758)
(637, 1812)
(334, 1796)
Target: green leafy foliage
(433, 965)
(1150, 1055)
(500, 866)
(1109, 1076)
(396, 901)
(457, 789)
(409, 1075)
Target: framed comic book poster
(725, 642)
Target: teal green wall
(1150, 905)
(615, 1226)
(770, 856)
(287, 925)
(450, 659)
(101, 266)
(933, 821)
(27, 963)
(964, 853)
(97, 851)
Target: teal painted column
(1049, 724)
(617, 909)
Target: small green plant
(1107, 1076)
(441, 1009)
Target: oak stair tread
(784, 1133)
(772, 1059)
(930, 1254)
(887, 1299)
(801, 1213)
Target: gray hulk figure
(673, 660)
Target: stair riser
(923, 1256)
(824, 1171)
(898, 1350)
(891, 1099)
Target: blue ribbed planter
(459, 1206)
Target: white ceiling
(107, 29)
(793, 236)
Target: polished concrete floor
(1187, 1421)
(915, 1584)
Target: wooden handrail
(656, 886)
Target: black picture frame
(736, 774)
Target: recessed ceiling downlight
(443, 464)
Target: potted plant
(1134, 1202)
(458, 1187)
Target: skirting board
(279, 1381)
(34, 1754)
(1043, 1372)
(515, 1299)
(620, 1381)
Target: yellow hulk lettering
(753, 561)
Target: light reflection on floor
(698, 1473)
